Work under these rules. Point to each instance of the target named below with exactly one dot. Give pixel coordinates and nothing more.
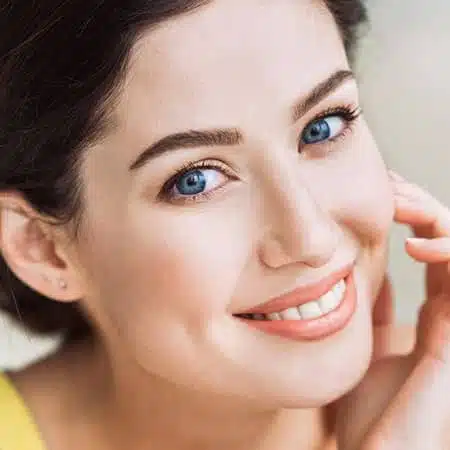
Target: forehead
(228, 61)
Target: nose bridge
(300, 231)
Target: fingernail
(438, 246)
(417, 241)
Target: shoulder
(17, 429)
(58, 391)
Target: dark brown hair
(61, 62)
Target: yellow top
(17, 429)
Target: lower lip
(313, 329)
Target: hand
(404, 402)
(383, 320)
(430, 222)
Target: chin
(335, 367)
(329, 390)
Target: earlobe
(31, 253)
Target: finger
(425, 219)
(436, 276)
(383, 312)
(410, 190)
(395, 176)
(383, 319)
(418, 414)
(436, 254)
(429, 250)
(417, 417)
(433, 328)
(417, 208)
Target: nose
(298, 230)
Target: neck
(142, 409)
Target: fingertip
(394, 175)
(428, 250)
(417, 242)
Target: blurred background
(404, 72)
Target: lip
(301, 295)
(313, 329)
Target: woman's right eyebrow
(189, 139)
(227, 137)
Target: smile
(308, 313)
(311, 310)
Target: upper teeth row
(311, 310)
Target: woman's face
(290, 190)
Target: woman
(190, 192)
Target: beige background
(404, 68)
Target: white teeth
(329, 301)
(274, 316)
(290, 314)
(339, 288)
(310, 310)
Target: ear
(36, 252)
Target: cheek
(366, 210)
(174, 268)
(363, 201)
(359, 198)
(165, 290)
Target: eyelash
(348, 113)
(165, 193)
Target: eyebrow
(320, 92)
(227, 137)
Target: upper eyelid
(352, 108)
(165, 192)
(356, 111)
(335, 107)
(204, 164)
(207, 164)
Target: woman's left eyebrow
(228, 137)
(320, 92)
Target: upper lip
(301, 295)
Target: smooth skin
(402, 402)
(161, 276)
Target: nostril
(311, 249)
(273, 254)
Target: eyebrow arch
(232, 136)
(189, 139)
(320, 92)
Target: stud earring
(62, 283)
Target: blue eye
(191, 183)
(197, 182)
(323, 129)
